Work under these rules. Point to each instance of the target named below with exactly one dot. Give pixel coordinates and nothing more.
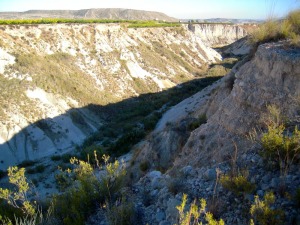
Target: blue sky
(193, 9)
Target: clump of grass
(269, 31)
(237, 184)
(294, 23)
(195, 213)
(121, 213)
(273, 30)
(263, 212)
(281, 146)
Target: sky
(181, 9)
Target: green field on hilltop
(132, 23)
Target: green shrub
(217, 70)
(113, 180)
(8, 212)
(15, 206)
(75, 205)
(81, 193)
(195, 213)
(18, 198)
(86, 190)
(77, 202)
(280, 148)
(63, 179)
(263, 213)
(237, 184)
(124, 143)
(151, 121)
(198, 122)
(88, 153)
(121, 213)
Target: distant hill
(224, 20)
(109, 13)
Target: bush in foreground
(263, 213)
(85, 190)
(274, 30)
(195, 213)
(280, 148)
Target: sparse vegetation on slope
(126, 122)
(58, 74)
(140, 116)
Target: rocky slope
(106, 13)
(270, 78)
(234, 106)
(192, 157)
(54, 78)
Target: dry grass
(274, 30)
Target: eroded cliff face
(215, 35)
(54, 78)
(234, 106)
(272, 77)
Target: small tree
(25, 211)
(18, 198)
